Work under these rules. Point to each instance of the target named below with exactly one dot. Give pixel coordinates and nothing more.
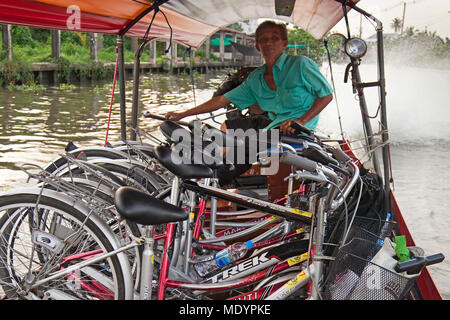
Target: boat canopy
(191, 21)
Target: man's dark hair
(269, 23)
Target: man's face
(270, 44)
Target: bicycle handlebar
(148, 114)
(298, 161)
(417, 264)
(340, 155)
(300, 128)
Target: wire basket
(354, 277)
(369, 228)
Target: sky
(434, 15)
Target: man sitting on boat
(290, 88)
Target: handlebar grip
(416, 265)
(300, 128)
(435, 258)
(340, 155)
(298, 161)
(318, 156)
(411, 266)
(148, 114)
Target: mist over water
(417, 98)
(418, 113)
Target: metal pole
(366, 120)
(382, 92)
(135, 100)
(383, 115)
(123, 114)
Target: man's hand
(285, 126)
(174, 116)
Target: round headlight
(355, 47)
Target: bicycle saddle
(185, 171)
(168, 129)
(137, 206)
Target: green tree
(22, 36)
(313, 48)
(236, 26)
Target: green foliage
(202, 55)
(34, 45)
(22, 36)
(65, 86)
(77, 38)
(41, 36)
(313, 48)
(15, 72)
(236, 26)
(33, 87)
(109, 40)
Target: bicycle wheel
(60, 234)
(118, 172)
(86, 153)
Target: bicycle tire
(19, 268)
(86, 153)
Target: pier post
(234, 51)
(152, 54)
(222, 46)
(134, 44)
(244, 43)
(56, 43)
(7, 40)
(173, 55)
(93, 46)
(208, 49)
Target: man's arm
(209, 106)
(317, 107)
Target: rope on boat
(372, 147)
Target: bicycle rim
(40, 235)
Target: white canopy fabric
(314, 16)
(191, 21)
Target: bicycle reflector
(355, 47)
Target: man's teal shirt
(299, 83)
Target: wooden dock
(47, 73)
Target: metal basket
(354, 277)
(369, 228)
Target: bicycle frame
(278, 210)
(246, 272)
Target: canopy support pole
(382, 95)
(383, 115)
(135, 100)
(150, 8)
(123, 113)
(366, 120)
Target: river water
(35, 127)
